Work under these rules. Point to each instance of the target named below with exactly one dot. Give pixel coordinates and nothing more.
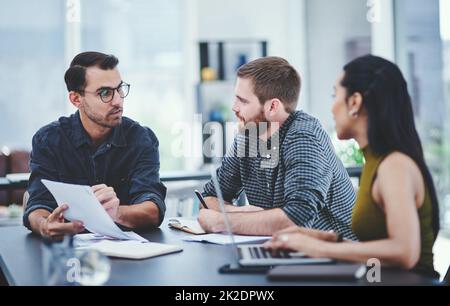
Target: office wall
(237, 19)
(311, 34)
(280, 22)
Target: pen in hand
(199, 196)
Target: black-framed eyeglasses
(106, 94)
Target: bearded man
(287, 168)
(98, 147)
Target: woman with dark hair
(396, 214)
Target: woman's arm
(399, 189)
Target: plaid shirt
(307, 180)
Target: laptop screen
(233, 245)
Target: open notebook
(188, 225)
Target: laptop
(254, 255)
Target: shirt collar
(118, 136)
(80, 136)
(287, 124)
(284, 128)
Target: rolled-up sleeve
(145, 184)
(308, 178)
(42, 167)
(228, 175)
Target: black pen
(199, 196)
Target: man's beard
(103, 122)
(260, 121)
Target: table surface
(196, 265)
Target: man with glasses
(98, 147)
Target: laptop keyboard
(260, 252)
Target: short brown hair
(75, 76)
(273, 78)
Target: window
(423, 53)
(32, 63)
(337, 32)
(146, 36)
(35, 50)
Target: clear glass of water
(63, 265)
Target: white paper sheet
(84, 207)
(224, 239)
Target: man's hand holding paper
(108, 198)
(54, 226)
(85, 205)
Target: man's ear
(355, 103)
(274, 106)
(75, 99)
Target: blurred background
(180, 57)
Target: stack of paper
(132, 249)
(88, 239)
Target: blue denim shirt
(128, 161)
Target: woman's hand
(321, 235)
(296, 242)
(301, 239)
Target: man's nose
(235, 108)
(117, 100)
